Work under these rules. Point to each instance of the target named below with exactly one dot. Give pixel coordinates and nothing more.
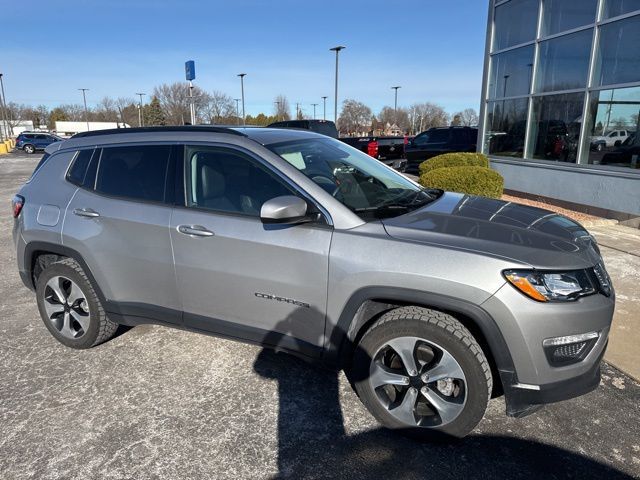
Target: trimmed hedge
(458, 159)
(472, 180)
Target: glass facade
(563, 82)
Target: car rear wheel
(29, 149)
(421, 372)
(70, 307)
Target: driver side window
(226, 180)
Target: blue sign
(190, 70)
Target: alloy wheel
(67, 307)
(418, 382)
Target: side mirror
(284, 209)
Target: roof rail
(178, 128)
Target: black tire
(100, 328)
(440, 329)
(29, 149)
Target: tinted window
(42, 137)
(229, 181)
(136, 172)
(440, 135)
(511, 73)
(325, 128)
(30, 137)
(562, 15)
(564, 62)
(515, 23)
(618, 59)
(78, 169)
(506, 127)
(613, 8)
(555, 127)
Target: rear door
(237, 276)
(118, 221)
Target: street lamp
(242, 75)
(324, 111)
(86, 112)
(314, 110)
(277, 109)
(335, 99)
(3, 107)
(140, 121)
(237, 110)
(395, 105)
(297, 110)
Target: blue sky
(433, 49)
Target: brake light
(16, 205)
(372, 149)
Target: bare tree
(426, 115)
(467, 117)
(174, 99)
(355, 117)
(216, 107)
(127, 110)
(106, 111)
(389, 117)
(282, 109)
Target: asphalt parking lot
(159, 403)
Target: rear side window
(78, 170)
(138, 172)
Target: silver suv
(430, 301)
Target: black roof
(178, 128)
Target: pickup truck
(389, 150)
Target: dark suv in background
(32, 141)
(324, 127)
(438, 140)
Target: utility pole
(395, 105)
(335, 99)
(297, 110)
(86, 111)
(140, 117)
(3, 108)
(277, 110)
(324, 111)
(242, 75)
(314, 110)
(237, 110)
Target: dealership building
(561, 102)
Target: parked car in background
(611, 139)
(32, 141)
(626, 155)
(325, 127)
(389, 150)
(438, 140)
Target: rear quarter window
(78, 172)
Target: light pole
(297, 110)
(242, 75)
(314, 110)
(86, 112)
(395, 105)
(140, 121)
(324, 111)
(237, 110)
(277, 110)
(3, 107)
(335, 98)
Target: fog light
(569, 349)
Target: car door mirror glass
(284, 209)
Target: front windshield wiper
(396, 205)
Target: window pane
(515, 22)
(564, 62)
(612, 124)
(613, 8)
(555, 127)
(618, 59)
(511, 73)
(136, 172)
(79, 168)
(228, 181)
(506, 127)
(562, 15)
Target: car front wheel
(421, 372)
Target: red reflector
(372, 149)
(16, 205)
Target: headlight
(551, 286)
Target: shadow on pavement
(312, 442)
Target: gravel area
(578, 216)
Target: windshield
(362, 184)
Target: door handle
(86, 212)
(195, 230)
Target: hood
(515, 232)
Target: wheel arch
(368, 304)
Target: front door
(237, 276)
